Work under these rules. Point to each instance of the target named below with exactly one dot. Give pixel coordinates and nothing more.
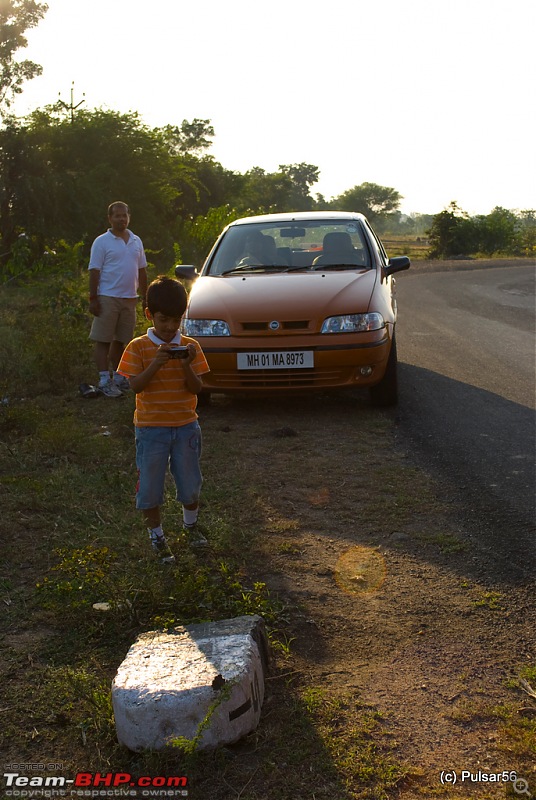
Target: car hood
(282, 296)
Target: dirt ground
(388, 595)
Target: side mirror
(186, 271)
(398, 264)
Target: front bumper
(336, 365)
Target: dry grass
(70, 537)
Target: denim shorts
(160, 448)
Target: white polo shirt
(119, 263)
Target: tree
(191, 137)
(370, 199)
(271, 192)
(22, 184)
(452, 233)
(527, 232)
(497, 231)
(303, 176)
(58, 176)
(264, 192)
(202, 184)
(16, 16)
(197, 235)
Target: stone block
(170, 680)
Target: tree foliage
(449, 232)
(453, 233)
(60, 171)
(370, 199)
(191, 137)
(197, 235)
(16, 17)
(58, 176)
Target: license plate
(282, 359)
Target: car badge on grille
(274, 325)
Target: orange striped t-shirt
(165, 401)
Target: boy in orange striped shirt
(164, 368)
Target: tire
(385, 393)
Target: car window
(378, 246)
(291, 245)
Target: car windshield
(291, 246)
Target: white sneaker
(195, 536)
(110, 389)
(161, 548)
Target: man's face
(119, 219)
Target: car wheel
(385, 393)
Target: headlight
(205, 327)
(353, 323)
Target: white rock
(169, 681)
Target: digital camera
(178, 352)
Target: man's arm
(142, 285)
(94, 279)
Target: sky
(434, 98)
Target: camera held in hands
(178, 352)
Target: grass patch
(67, 474)
(515, 726)
(416, 248)
(447, 542)
(358, 741)
(491, 600)
(72, 539)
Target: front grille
(254, 326)
(287, 325)
(296, 325)
(280, 379)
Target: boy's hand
(162, 355)
(186, 360)
(191, 354)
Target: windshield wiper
(256, 268)
(285, 268)
(321, 267)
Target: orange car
(296, 303)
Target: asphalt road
(466, 346)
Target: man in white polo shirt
(117, 271)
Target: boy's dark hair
(167, 296)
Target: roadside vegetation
(58, 176)
(71, 539)
(61, 166)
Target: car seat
(337, 248)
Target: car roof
(298, 216)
